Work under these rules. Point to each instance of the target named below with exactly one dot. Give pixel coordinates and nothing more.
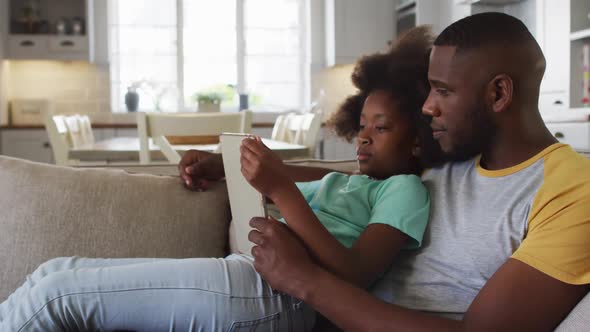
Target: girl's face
(386, 139)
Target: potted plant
(208, 102)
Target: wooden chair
(67, 132)
(159, 125)
(302, 129)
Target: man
(506, 248)
(507, 244)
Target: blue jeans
(197, 294)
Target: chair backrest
(158, 125)
(302, 129)
(67, 132)
(79, 130)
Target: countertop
(109, 120)
(108, 126)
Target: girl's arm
(372, 253)
(361, 264)
(198, 168)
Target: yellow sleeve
(557, 242)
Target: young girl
(354, 225)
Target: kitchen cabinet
(576, 134)
(563, 28)
(487, 2)
(56, 30)
(438, 13)
(31, 144)
(441, 13)
(552, 34)
(354, 28)
(3, 28)
(3, 73)
(578, 38)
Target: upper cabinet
(487, 2)
(552, 34)
(579, 53)
(3, 28)
(56, 30)
(355, 28)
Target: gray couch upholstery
(49, 211)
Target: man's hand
(279, 256)
(262, 168)
(198, 168)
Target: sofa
(130, 211)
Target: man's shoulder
(564, 166)
(566, 155)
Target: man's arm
(517, 297)
(198, 168)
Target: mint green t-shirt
(347, 204)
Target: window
(173, 49)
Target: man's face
(461, 120)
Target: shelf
(405, 5)
(580, 34)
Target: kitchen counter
(107, 120)
(108, 126)
(94, 125)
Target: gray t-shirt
(478, 220)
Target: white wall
(524, 10)
(449, 13)
(72, 86)
(3, 66)
(336, 84)
(317, 35)
(441, 13)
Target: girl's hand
(262, 168)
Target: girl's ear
(416, 150)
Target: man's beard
(476, 138)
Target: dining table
(123, 149)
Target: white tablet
(245, 201)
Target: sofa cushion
(50, 211)
(578, 319)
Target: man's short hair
(484, 29)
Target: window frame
(241, 44)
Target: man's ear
(500, 90)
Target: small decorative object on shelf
(77, 26)
(132, 97)
(61, 26)
(31, 16)
(244, 101)
(586, 75)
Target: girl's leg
(61, 264)
(176, 295)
